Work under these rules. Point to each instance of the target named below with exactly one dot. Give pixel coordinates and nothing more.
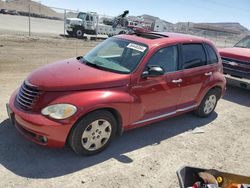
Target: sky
(170, 10)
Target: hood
(71, 74)
(76, 21)
(242, 54)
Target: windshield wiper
(86, 62)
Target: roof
(164, 37)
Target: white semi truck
(90, 23)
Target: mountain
(23, 5)
(149, 17)
(231, 25)
(201, 28)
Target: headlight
(59, 111)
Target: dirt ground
(145, 157)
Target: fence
(36, 19)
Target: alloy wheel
(210, 104)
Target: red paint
(242, 54)
(134, 98)
(71, 74)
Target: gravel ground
(145, 157)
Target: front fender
(88, 101)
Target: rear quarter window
(212, 56)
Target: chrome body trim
(165, 115)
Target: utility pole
(64, 26)
(29, 18)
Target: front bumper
(69, 28)
(38, 128)
(236, 73)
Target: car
(125, 82)
(236, 60)
(3, 11)
(12, 12)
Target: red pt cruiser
(125, 82)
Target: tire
(122, 32)
(93, 133)
(208, 103)
(79, 33)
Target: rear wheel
(208, 103)
(93, 133)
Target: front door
(157, 97)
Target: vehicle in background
(236, 61)
(125, 82)
(3, 11)
(12, 12)
(90, 23)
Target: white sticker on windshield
(137, 47)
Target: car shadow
(29, 160)
(237, 95)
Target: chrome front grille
(236, 64)
(27, 96)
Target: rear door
(196, 74)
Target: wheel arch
(209, 89)
(113, 111)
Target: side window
(193, 55)
(212, 56)
(167, 58)
(87, 18)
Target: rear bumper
(38, 128)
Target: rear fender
(216, 81)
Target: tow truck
(92, 24)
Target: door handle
(177, 81)
(208, 74)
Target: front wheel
(93, 133)
(208, 103)
(79, 33)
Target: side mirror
(153, 71)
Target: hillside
(231, 25)
(234, 28)
(23, 5)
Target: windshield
(81, 15)
(116, 55)
(244, 43)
